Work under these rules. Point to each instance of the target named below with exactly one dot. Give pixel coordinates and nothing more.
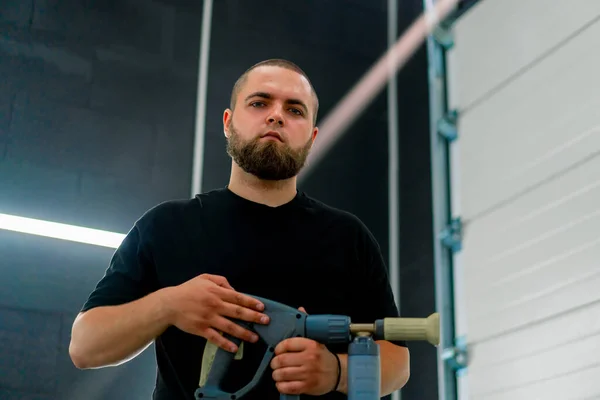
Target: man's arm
(124, 313)
(395, 368)
(111, 335)
(202, 306)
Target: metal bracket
(451, 236)
(446, 126)
(443, 36)
(457, 357)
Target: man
(181, 270)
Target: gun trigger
(210, 351)
(240, 353)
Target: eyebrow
(266, 95)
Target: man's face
(271, 131)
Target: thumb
(302, 309)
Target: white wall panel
(535, 368)
(542, 124)
(499, 39)
(579, 385)
(524, 77)
(527, 357)
(536, 248)
(535, 340)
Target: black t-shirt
(303, 253)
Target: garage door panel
(538, 127)
(550, 364)
(579, 385)
(572, 197)
(541, 250)
(546, 232)
(535, 339)
(505, 26)
(520, 315)
(537, 282)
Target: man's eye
(296, 111)
(257, 103)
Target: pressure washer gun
(364, 377)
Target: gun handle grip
(221, 363)
(289, 397)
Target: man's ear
(315, 133)
(227, 114)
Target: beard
(267, 160)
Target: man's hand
(304, 366)
(201, 306)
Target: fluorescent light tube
(61, 231)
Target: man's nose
(275, 117)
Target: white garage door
(524, 76)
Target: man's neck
(270, 193)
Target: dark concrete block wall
(97, 101)
(97, 113)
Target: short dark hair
(275, 62)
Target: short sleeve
(130, 274)
(376, 300)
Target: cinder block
(141, 102)
(71, 90)
(115, 188)
(31, 178)
(76, 18)
(40, 79)
(28, 350)
(17, 12)
(174, 143)
(3, 152)
(169, 177)
(6, 100)
(7, 394)
(170, 182)
(129, 68)
(66, 319)
(80, 139)
(60, 57)
(64, 60)
(47, 274)
(186, 37)
(354, 41)
(114, 203)
(103, 23)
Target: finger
(294, 387)
(303, 310)
(230, 327)
(292, 345)
(289, 374)
(242, 313)
(233, 297)
(219, 280)
(286, 360)
(215, 337)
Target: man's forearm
(107, 336)
(395, 368)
